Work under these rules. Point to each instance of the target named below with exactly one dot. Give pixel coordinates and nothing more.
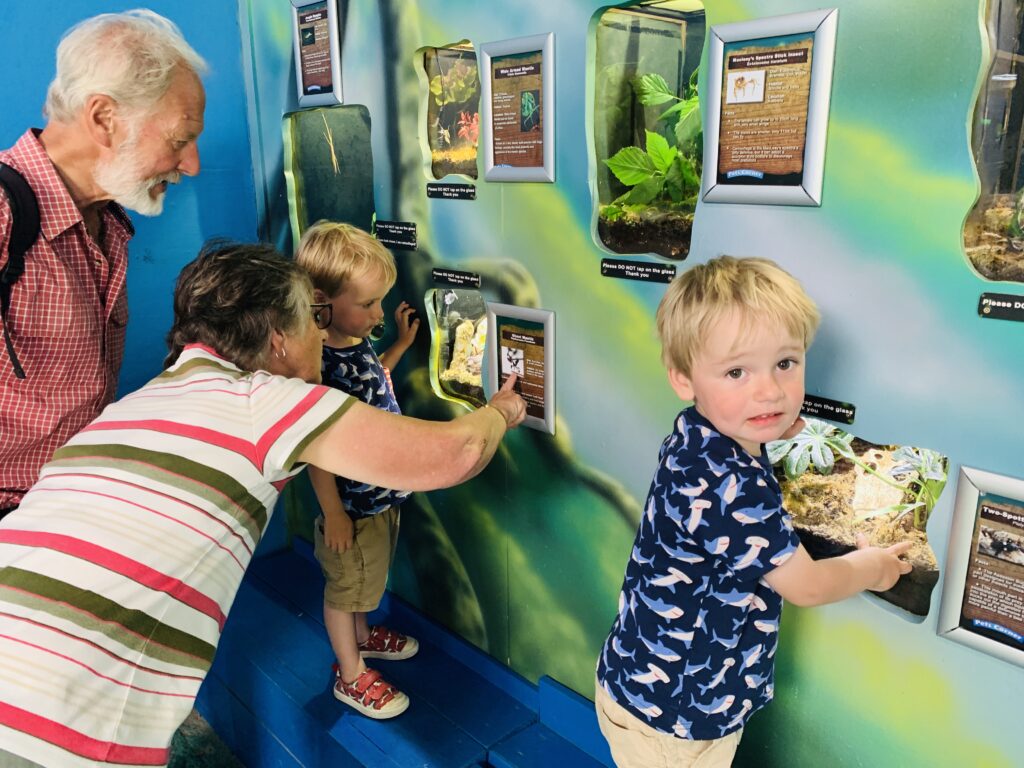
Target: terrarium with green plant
(662, 177)
(453, 111)
(919, 474)
(836, 486)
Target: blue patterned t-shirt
(358, 371)
(691, 652)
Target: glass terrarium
(453, 109)
(994, 231)
(458, 328)
(837, 487)
(647, 125)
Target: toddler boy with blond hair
(690, 655)
(356, 534)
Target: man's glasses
(322, 315)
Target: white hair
(132, 57)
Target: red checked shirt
(66, 320)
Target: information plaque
(769, 87)
(316, 34)
(521, 341)
(983, 595)
(517, 86)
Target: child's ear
(320, 297)
(681, 384)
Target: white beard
(119, 178)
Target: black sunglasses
(322, 315)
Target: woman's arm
(392, 451)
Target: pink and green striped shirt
(118, 570)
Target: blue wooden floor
(269, 693)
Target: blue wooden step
(269, 694)
(539, 747)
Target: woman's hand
(509, 403)
(338, 532)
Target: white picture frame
(975, 490)
(743, 185)
(490, 56)
(533, 329)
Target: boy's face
(357, 308)
(749, 383)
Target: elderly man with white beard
(123, 113)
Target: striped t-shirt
(119, 568)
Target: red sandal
(370, 694)
(384, 643)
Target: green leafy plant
(652, 90)
(817, 444)
(926, 470)
(922, 471)
(660, 172)
(455, 85)
(655, 172)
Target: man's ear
(100, 115)
(681, 384)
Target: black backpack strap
(24, 231)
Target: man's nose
(188, 165)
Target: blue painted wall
(218, 202)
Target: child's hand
(338, 532)
(407, 324)
(886, 561)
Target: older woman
(118, 570)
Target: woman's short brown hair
(232, 296)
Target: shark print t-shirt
(691, 652)
(357, 371)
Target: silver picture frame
(487, 52)
(305, 95)
(544, 320)
(820, 23)
(973, 487)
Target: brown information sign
(516, 114)
(766, 88)
(315, 49)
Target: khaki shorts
(635, 744)
(356, 578)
